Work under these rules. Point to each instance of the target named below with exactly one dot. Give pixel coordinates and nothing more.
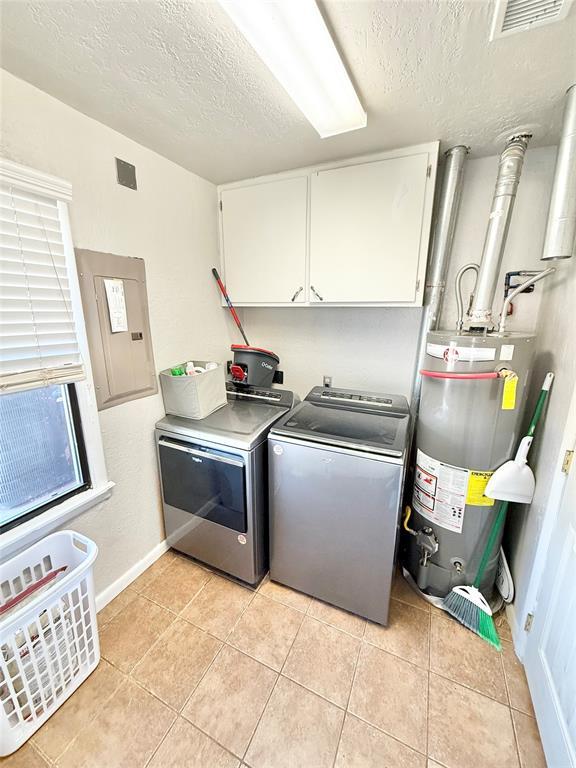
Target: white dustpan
(514, 480)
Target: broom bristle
(472, 616)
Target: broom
(467, 604)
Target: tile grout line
(516, 739)
(162, 740)
(279, 674)
(223, 643)
(428, 685)
(348, 699)
(388, 734)
(264, 708)
(96, 712)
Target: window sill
(28, 533)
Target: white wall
(555, 351)
(170, 222)
(374, 349)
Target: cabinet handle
(298, 292)
(315, 292)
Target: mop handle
(498, 522)
(230, 305)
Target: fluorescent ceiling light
(290, 36)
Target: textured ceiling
(177, 77)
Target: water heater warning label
(440, 492)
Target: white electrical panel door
(366, 231)
(263, 230)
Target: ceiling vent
(512, 16)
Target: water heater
(473, 391)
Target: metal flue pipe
(442, 239)
(561, 228)
(509, 171)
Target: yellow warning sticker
(477, 483)
(509, 392)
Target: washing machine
(337, 464)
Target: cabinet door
(264, 241)
(366, 229)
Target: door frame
(552, 509)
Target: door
(263, 229)
(200, 484)
(367, 224)
(550, 657)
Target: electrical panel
(115, 303)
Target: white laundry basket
(49, 644)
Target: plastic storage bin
(194, 397)
(49, 644)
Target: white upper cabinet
(366, 231)
(264, 241)
(345, 233)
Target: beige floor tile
(362, 746)
(348, 622)
(433, 764)
(124, 734)
(298, 729)
(25, 757)
(323, 659)
(78, 711)
(176, 662)
(115, 606)
(459, 654)
(186, 746)
(217, 607)
(502, 626)
(407, 634)
(518, 690)
(285, 595)
(392, 694)
(230, 699)
(528, 738)
(402, 591)
(177, 584)
(467, 729)
(131, 633)
(154, 570)
(266, 631)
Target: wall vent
(511, 16)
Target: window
(42, 456)
(51, 457)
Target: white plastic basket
(48, 645)
(194, 397)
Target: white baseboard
(518, 633)
(108, 594)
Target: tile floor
(198, 671)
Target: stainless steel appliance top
(349, 418)
(242, 423)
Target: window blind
(38, 342)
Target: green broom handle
(540, 403)
(498, 522)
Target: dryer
(213, 475)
